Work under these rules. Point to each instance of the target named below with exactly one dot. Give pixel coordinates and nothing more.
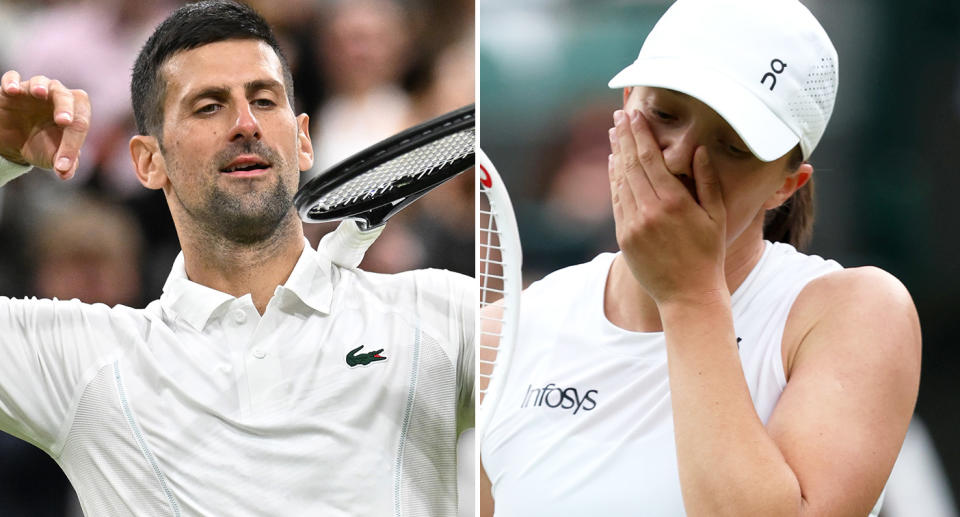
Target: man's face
(232, 146)
(681, 123)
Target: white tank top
(585, 424)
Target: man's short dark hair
(189, 27)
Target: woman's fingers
(651, 161)
(628, 163)
(708, 185)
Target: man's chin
(251, 215)
(250, 228)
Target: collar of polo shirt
(309, 283)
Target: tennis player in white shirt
(266, 380)
(705, 369)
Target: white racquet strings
(498, 272)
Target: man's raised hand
(42, 122)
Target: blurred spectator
(365, 46)
(452, 76)
(568, 214)
(87, 249)
(295, 24)
(386, 68)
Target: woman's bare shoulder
(849, 302)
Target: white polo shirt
(341, 399)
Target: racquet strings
(402, 171)
(491, 273)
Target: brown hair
(792, 222)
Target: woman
(703, 369)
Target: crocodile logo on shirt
(355, 359)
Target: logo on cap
(773, 75)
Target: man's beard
(247, 219)
(243, 218)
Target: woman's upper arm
(852, 381)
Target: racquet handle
(346, 245)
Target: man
(266, 380)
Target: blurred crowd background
(886, 170)
(363, 69)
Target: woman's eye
(736, 151)
(662, 115)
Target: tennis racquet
(498, 271)
(376, 183)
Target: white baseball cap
(766, 66)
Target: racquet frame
(374, 211)
(500, 220)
